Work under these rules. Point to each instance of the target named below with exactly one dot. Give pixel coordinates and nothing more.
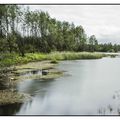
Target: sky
(103, 21)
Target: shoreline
(54, 58)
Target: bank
(18, 66)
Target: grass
(14, 59)
(54, 57)
(74, 55)
(9, 97)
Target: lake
(88, 87)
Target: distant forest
(25, 31)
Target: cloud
(100, 20)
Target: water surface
(89, 87)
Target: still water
(88, 87)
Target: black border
(108, 4)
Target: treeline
(25, 31)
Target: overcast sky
(101, 20)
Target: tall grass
(14, 59)
(74, 55)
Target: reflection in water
(34, 87)
(89, 90)
(29, 73)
